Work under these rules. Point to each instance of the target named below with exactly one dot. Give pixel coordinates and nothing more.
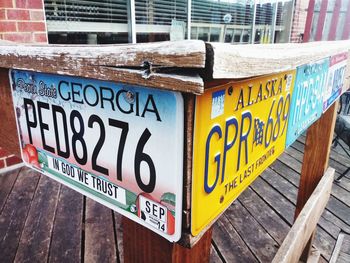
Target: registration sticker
(233, 148)
(121, 145)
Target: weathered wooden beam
(243, 61)
(293, 245)
(164, 65)
(8, 127)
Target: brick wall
(299, 20)
(23, 21)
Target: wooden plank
(321, 19)
(309, 18)
(317, 149)
(256, 238)
(8, 132)
(335, 19)
(14, 214)
(100, 245)
(288, 190)
(279, 203)
(269, 219)
(302, 229)
(324, 242)
(314, 256)
(143, 245)
(36, 236)
(66, 241)
(157, 64)
(229, 243)
(343, 258)
(337, 191)
(7, 181)
(340, 209)
(245, 61)
(337, 248)
(214, 256)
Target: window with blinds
(160, 12)
(86, 15)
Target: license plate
(116, 143)
(307, 99)
(240, 129)
(335, 80)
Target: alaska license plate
(119, 144)
(240, 129)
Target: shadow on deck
(42, 220)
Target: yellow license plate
(240, 129)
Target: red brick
(40, 37)
(31, 27)
(2, 164)
(37, 16)
(13, 160)
(7, 26)
(33, 4)
(18, 37)
(6, 3)
(2, 153)
(2, 14)
(14, 14)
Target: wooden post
(8, 131)
(315, 162)
(143, 245)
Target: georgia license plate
(240, 129)
(121, 145)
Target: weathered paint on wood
(245, 61)
(302, 229)
(159, 65)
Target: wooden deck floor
(42, 220)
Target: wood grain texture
(66, 241)
(35, 239)
(8, 131)
(7, 181)
(244, 61)
(304, 226)
(14, 213)
(100, 245)
(317, 150)
(164, 65)
(255, 236)
(143, 245)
